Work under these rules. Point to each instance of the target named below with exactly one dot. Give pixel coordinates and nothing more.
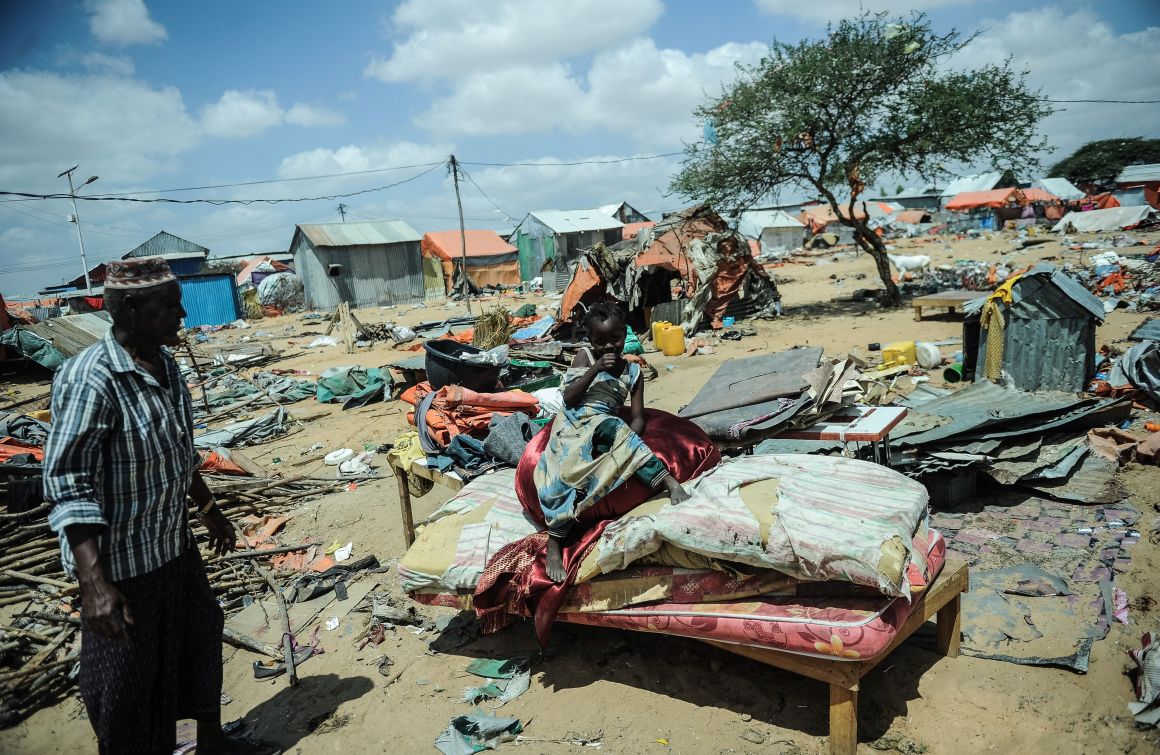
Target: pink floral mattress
(838, 628)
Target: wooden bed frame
(942, 598)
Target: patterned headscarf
(136, 274)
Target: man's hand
(104, 608)
(222, 537)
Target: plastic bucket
(445, 367)
(953, 373)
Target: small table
(419, 468)
(860, 424)
(948, 299)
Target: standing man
(118, 466)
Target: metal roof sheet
(1149, 330)
(753, 222)
(1139, 174)
(1060, 187)
(1069, 286)
(165, 243)
(977, 182)
(576, 221)
(359, 234)
(73, 334)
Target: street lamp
(75, 218)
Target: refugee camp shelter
(210, 299)
(776, 231)
(1048, 338)
(694, 250)
(1141, 177)
(821, 218)
(256, 269)
(913, 198)
(995, 207)
(624, 212)
(1059, 187)
(994, 179)
(548, 240)
(491, 261)
(184, 257)
(376, 263)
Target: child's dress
(591, 451)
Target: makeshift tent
(818, 218)
(258, 268)
(1059, 187)
(996, 198)
(712, 263)
(777, 231)
(1111, 219)
(491, 261)
(912, 217)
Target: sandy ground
(648, 693)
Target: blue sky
(151, 95)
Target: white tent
(1111, 219)
(777, 231)
(1060, 187)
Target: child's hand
(607, 362)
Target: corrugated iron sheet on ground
(72, 334)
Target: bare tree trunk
(868, 240)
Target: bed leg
(949, 626)
(405, 505)
(843, 720)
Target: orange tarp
(631, 229)
(996, 198)
(817, 217)
(491, 261)
(10, 447)
(914, 217)
(1038, 195)
(458, 410)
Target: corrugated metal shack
(364, 264)
(1049, 334)
(184, 257)
(209, 299)
(556, 237)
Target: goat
(915, 263)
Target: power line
(485, 196)
(577, 162)
(1106, 102)
(166, 200)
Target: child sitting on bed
(591, 451)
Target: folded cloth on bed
(816, 518)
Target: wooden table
(941, 599)
(856, 424)
(419, 469)
(949, 299)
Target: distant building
(625, 213)
(1135, 178)
(913, 198)
(364, 264)
(994, 179)
(491, 261)
(550, 240)
(184, 257)
(776, 231)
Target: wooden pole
(462, 233)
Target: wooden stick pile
(39, 647)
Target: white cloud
(117, 65)
(353, 158)
(242, 114)
(301, 114)
(114, 125)
(448, 37)
(832, 10)
(124, 22)
(637, 90)
(1074, 56)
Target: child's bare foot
(555, 561)
(677, 494)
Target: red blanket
(515, 582)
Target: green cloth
(525, 311)
(632, 343)
(354, 386)
(33, 347)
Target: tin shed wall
(209, 300)
(372, 275)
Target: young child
(591, 451)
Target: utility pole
(454, 164)
(77, 219)
(342, 211)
